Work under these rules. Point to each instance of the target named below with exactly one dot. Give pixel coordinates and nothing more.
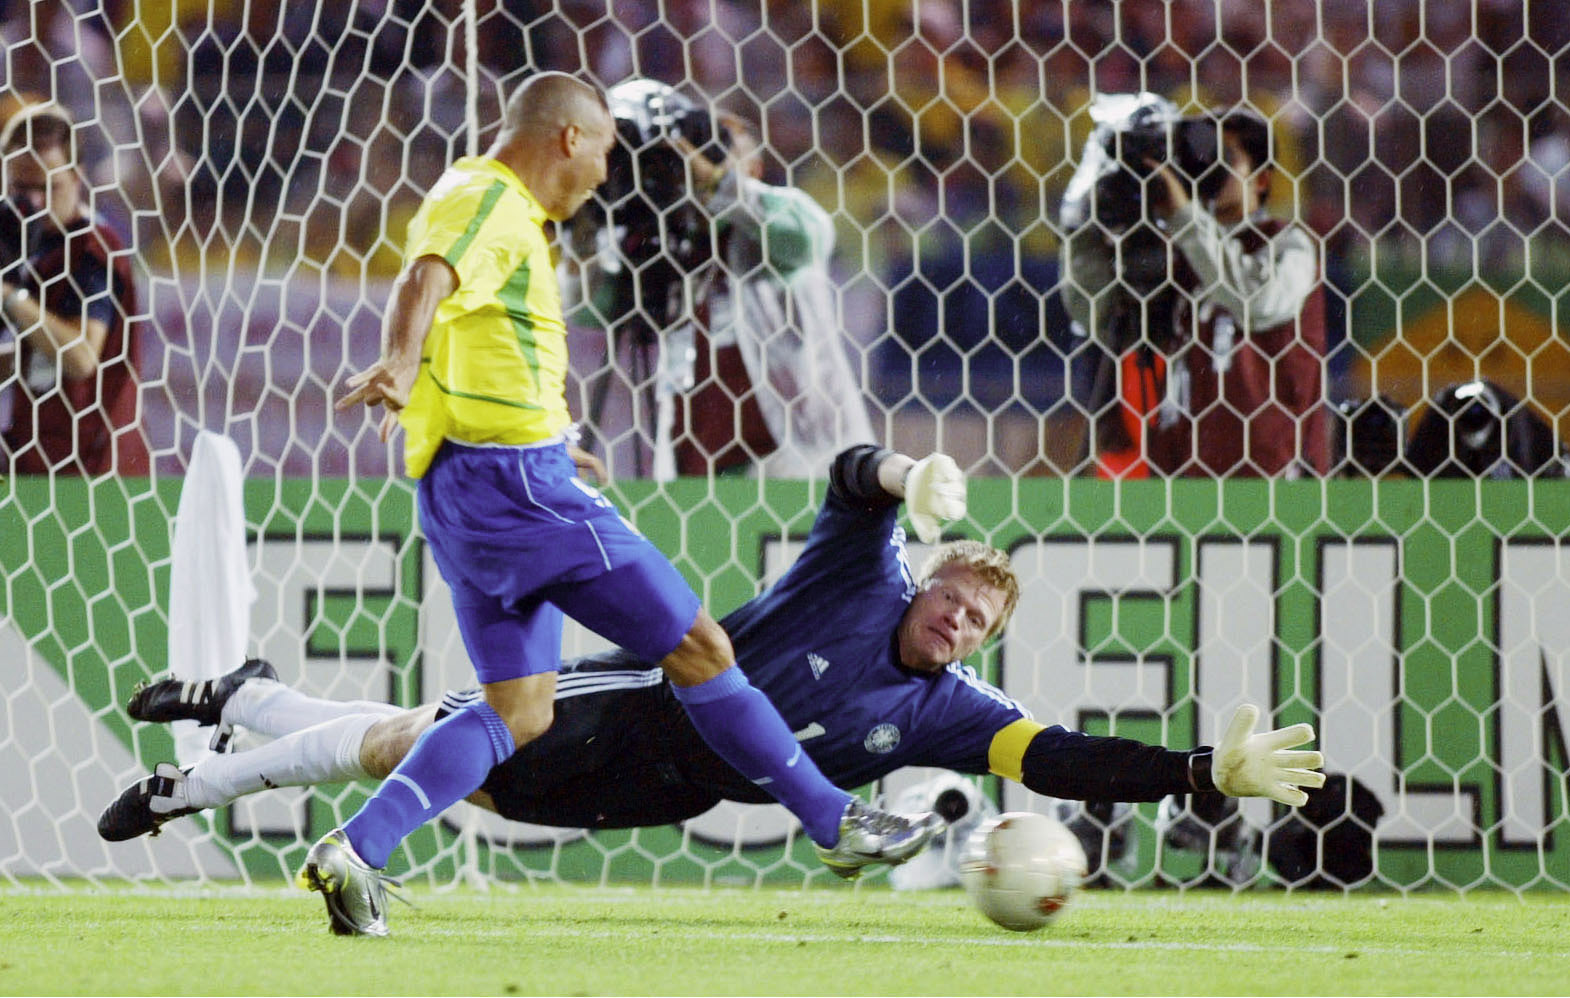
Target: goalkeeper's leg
(250, 696)
(329, 752)
(270, 708)
(347, 748)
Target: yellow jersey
(494, 365)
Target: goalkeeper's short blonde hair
(990, 565)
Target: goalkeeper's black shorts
(621, 753)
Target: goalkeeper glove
(934, 491)
(1250, 765)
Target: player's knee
(526, 705)
(705, 651)
(528, 719)
(538, 720)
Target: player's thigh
(510, 521)
(531, 532)
(643, 604)
(507, 640)
(638, 789)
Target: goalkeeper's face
(948, 619)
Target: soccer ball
(1022, 868)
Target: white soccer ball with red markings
(1021, 869)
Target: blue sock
(447, 763)
(740, 724)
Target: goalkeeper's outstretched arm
(1072, 765)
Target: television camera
(1116, 187)
(644, 234)
(641, 251)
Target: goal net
(1404, 592)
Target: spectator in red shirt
(69, 305)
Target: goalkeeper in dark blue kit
(861, 655)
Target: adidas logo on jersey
(819, 664)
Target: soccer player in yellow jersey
(473, 367)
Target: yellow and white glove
(934, 492)
(1250, 765)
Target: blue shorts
(521, 539)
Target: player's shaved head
(556, 133)
(550, 100)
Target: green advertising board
(1423, 628)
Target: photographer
(633, 264)
(1212, 355)
(68, 301)
(773, 330)
(716, 288)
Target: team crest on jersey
(882, 740)
(819, 664)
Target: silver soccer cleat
(868, 836)
(356, 893)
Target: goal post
(262, 160)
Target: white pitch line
(536, 930)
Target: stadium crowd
(300, 136)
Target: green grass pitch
(837, 940)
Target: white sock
(270, 708)
(326, 753)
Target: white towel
(210, 590)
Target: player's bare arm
(706, 174)
(420, 288)
(1177, 198)
(589, 466)
(75, 345)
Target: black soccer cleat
(145, 805)
(201, 701)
